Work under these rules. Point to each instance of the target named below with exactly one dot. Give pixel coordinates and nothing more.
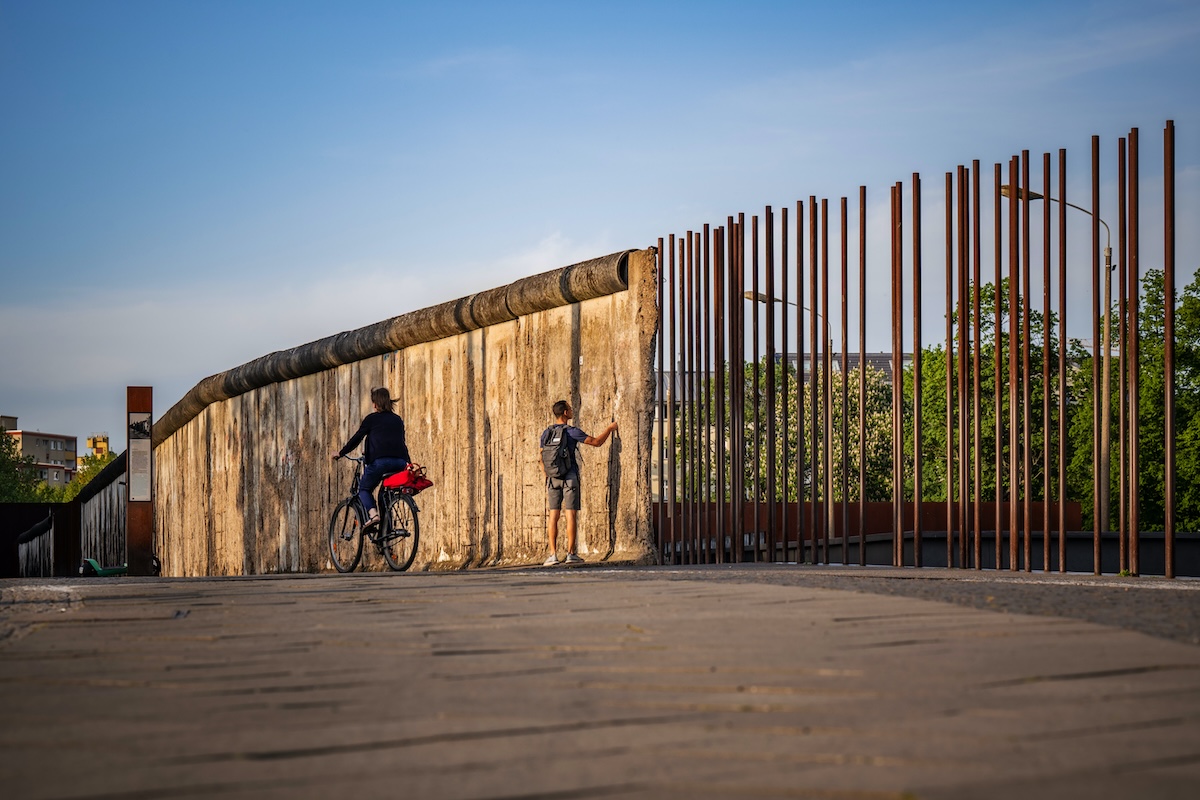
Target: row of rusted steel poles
(715, 509)
(703, 319)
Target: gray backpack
(556, 453)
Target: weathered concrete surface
(246, 486)
(644, 683)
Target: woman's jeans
(373, 474)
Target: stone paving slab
(641, 683)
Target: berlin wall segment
(244, 485)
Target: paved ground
(753, 681)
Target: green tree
(18, 481)
(939, 473)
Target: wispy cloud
(469, 63)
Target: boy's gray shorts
(563, 493)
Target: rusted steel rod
(1062, 361)
(700, 477)
(949, 312)
(1122, 355)
(800, 418)
(814, 382)
(1135, 393)
(687, 409)
(783, 390)
(659, 456)
(1026, 372)
(772, 449)
(963, 317)
(918, 374)
(1169, 345)
(709, 374)
(862, 376)
(977, 373)
(755, 404)
(898, 370)
(1100, 489)
(719, 364)
(739, 359)
(845, 366)
(1014, 316)
(998, 358)
(688, 473)
(827, 381)
(672, 406)
(1046, 393)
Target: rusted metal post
(1014, 316)
(963, 316)
(738, 301)
(998, 358)
(659, 458)
(813, 379)
(977, 373)
(800, 419)
(845, 428)
(1046, 393)
(918, 376)
(827, 380)
(1100, 480)
(1026, 372)
(1122, 356)
(687, 407)
(755, 383)
(862, 376)
(1062, 360)
(783, 371)
(1169, 346)
(769, 222)
(898, 370)
(719, 367)
(706, 382)
(897, 450)
(1135, 393)
(671, 403)
(950, 477)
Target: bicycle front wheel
(399, 531)
(345, 536)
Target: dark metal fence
(775, 440)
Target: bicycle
(396, 535)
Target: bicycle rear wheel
(345, 536)
(399, 531)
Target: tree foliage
(18, 480)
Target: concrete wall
(244, 484)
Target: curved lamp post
(1106, 398)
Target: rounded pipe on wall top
(558, 287)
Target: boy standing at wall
(559, 443)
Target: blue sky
(185, 186)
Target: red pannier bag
(409, 481)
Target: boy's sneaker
(572, 558)
(552, 560)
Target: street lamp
(1106, 400)
(759, 297)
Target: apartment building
(53, 454)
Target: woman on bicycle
(384, 453)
